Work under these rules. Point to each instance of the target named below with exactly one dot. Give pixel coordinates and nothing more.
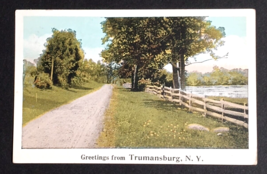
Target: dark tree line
(219, 76)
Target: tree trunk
(175, 77)
(179, 74)
(182, 72)
(132, 79)
(107, 78)
(135, 86)
(183, 50)
(52, 70)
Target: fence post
(162, 89)
(205, 108)
(190, 101)
(244, 112)
(222, 106)
(171, 90)
(180, 98)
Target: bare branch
(225, 56)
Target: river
(233, 91)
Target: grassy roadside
(140, 120)
(107, 136)
(37, 102)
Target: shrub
(63, 81)
(156, 84)
(122, 81)
(31, 70)
(142, 84)
(77, 81)
(43, 81)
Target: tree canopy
(147, 44)
(186, 37)
(133, 41)
(62, 57)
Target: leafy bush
(31, 70)
(43, 81)
(120, 81)
(142, 84)
(156, 84)
(78, 80)
(101, 79)
(63, 81)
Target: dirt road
(74, 125)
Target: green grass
(107, 136)
(233, 100)
(37, 101)
(142, 120)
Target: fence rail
(231, 112)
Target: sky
(37, 29)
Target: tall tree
(133, 41)
(62, 57)
(186, 37)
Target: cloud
(237, 58)
(33, 46)
(93, 53)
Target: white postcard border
(181, 156)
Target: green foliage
(136, 41)
(43, 81)
(162, 77)
(147, 44)
(237, 78)
(31, 70)
(219, 76)
(62, 57)
(206, 80)
(97, 71)
(194, 79)
(143, 83)
(121, 81)
(186, 37)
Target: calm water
(234, 91)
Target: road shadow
(81, 87)
(130, 90)
(163, 105)
(70, 90)
(31, 103)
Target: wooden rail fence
(224, 110)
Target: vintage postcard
(135, 87)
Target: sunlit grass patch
(143, 120)
(233, 100)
